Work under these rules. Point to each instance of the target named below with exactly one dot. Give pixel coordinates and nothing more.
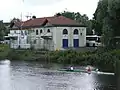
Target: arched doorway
(76, 38)
(65, 40)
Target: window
(81, 34)
(65, 31)
(27, 40)
(22, 33)
(36, 32)
(41, 31)
(48, 30)
(25, 32)
(14, 31)
(29, 31)
(35, 41)
(76, 31)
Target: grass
(4, 50)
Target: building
(51, 33)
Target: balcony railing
(46, 35)
(13, 35)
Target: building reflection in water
(5, 79)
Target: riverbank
(105, 60)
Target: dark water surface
(38, 76)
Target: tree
(107, 19)
(114, 16)
(2, 31)
(99, 15)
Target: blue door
(65, 43)
(76, 43)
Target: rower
(89, 69)
(97, 70)
(71, 68)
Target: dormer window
(48, 30)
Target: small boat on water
(85, 71)
(71, 69)
(68, 70)
(74, 70)
(88, 70)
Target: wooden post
(117, 73)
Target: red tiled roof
(34, 22)
(18, 24)
(55, 20)
(61, 20)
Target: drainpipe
(52, 47)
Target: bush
(105, 60)
(102, 58)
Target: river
(21, 75)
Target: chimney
(58, 14)
(33, 17)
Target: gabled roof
(16, 25)
(54, 21)
(61, 20)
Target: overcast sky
(42, 8)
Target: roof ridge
(53, 20)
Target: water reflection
(37, 76)
(5, 79)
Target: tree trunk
(117, 73)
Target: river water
(38, 76)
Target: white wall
(40, 42)
(58, 36)
(48, 44)
(21, 41)
(55, 42)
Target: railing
(46, 35)
(22, 46)
(13, 35)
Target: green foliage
(107, 34)
(20, 55)
(104, 59)
(4, 49)
(2, 30)
(99, 15)
(107, 20)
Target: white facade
(59, 36)
(53, 40)
(50, 38)
(19, 39)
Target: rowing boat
(74, 70)
(85, 71)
